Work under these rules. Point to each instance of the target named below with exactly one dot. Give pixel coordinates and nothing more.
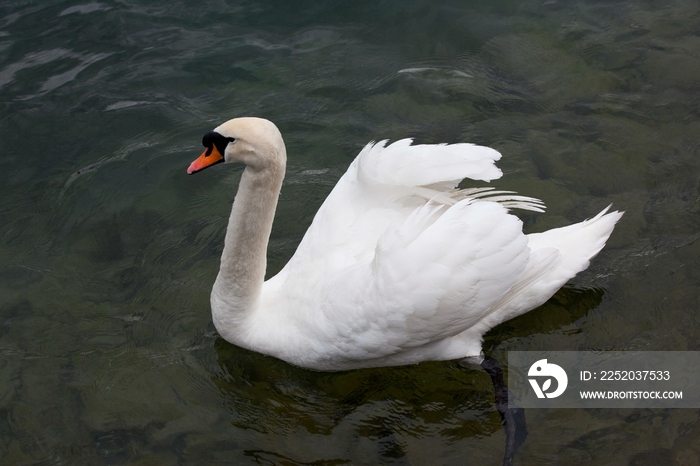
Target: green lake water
(108, 250)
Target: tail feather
(578, 243)
(556, 257)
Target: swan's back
(398, 266)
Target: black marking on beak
(212, 138)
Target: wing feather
(422, 280)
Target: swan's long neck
(244, 259)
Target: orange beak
(208, 158)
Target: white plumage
(397, 267)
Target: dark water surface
(108, 249)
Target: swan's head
(255, 142)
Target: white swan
(397, 267)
